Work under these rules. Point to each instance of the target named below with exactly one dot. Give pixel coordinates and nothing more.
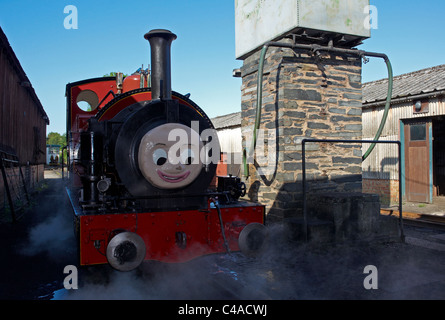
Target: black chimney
(160, 42)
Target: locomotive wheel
(252, 239)
(126, 251)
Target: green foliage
(113, 74)
(56, 138)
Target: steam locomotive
(142, 163)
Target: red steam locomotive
(142, 160)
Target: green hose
(258, 111)
(260, 98)
(385, 114)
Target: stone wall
(303, 97)
(387, 189)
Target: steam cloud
(283, 271)
(55, 236)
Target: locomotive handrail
(106, 96)
(175, 195)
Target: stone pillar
(304, 96)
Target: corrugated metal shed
(227, 121)
(427, 84)
(229, 132)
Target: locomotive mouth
(173, 178)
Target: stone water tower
(303, 54)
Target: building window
(418, 132)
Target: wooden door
(417, 161)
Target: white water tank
(260, 21)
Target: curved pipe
(258, 110)
(314, 48)
(221, 224)
(386, 112)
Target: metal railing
(303, 155)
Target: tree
(55, 138)
(113, 74)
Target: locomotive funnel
(160, 43)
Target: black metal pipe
(160, 43)
(402, 234)
(63, 162)
(92, 177)
(316, 47)
(221, 224)
(303, 155)
(303, 166)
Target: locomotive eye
(187, 157)
(160, 157)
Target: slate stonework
(304, 96)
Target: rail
(303, 155)
(416, 219)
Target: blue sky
(410, 32)
(110, 38)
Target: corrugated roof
(227, 121)
(423, 81)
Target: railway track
(418, 219)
